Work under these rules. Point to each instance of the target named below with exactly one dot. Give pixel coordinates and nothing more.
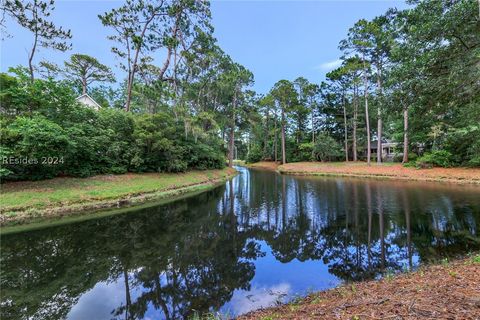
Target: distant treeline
(408, 76)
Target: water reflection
(257, 240)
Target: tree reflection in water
(194, 254)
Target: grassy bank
(450, 290)
(24, 201)
(384, 170)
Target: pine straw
(449, 291)
(385, 170)
(267, 165)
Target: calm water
(258, 240)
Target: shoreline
(384, 171)
(446, 290)
(22, 215)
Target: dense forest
(410, 76)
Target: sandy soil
(267, 165)
(388, 170)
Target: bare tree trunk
(346, 128)
(284, 156)
(379, 139)
(276, 139)
(131, 75)
(232, 131)
(170, 49)
(231, 146)
(129, 88)
(379, 120)
(367, 120)
(265, 138)
(355, 117)
(313, 130)
(84, 85)
(405, 134)
(32, 53)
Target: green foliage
(305, 151)
(476, 259)
(255, 154)
(33, 142)
(34, 16)
(437, 158)
(51, 124)
(326, 148)
(83, 70)
(205, 155)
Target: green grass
(239, 162)
(57, 192)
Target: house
(88, 101)
(389, 149)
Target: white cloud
(258, 297)
(330, 65)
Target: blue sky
(274, 39)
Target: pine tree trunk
(313, 130)
(367, 119)
(276, 140)
(232, 131)
(345, 126)
(379, 140)
(405, 135)
(284, 157)
(84, 85)
(30, 57)
(265, 138)
(379, 120)
(355, 117)
(129, 90)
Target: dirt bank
(385, 171)
(450, 290)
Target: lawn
(62, 192)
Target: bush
(41, 119)
(31, 143)
(437, 158)
(305, 151)
(412, 157)
(255, 154)
(326, 148)
(202, 156)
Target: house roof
(385, 143)
(85, 95)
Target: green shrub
(255, 154)
(204, 156)
(412, 157)
(32, 142)
(41, 119)
(326, 148)
(305, 151)
(474, 161)
(437, 158)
